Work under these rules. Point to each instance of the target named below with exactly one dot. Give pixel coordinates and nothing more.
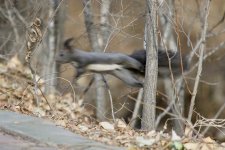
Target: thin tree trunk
(97, 46)
(103, 40)
(148, 114)
(55, 30)
(104, 23)
(166, 15)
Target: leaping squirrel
(124, 67)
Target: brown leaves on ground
(17, 94)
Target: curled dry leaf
(33, 35)
(107, 126)
(38, 31)
(37, 22)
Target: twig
(157, 107)
(202, 47)
(12, 21)
(88, 87)
(21, 18)
(215, 117)
(209, 35)
(203, 81)
(210, 53)
(45, 99)
(218, 23)
(171, 104)
(110, 97)
(167, 39)
(217, 123)
(137, 108)
(3, 44)
(74, 94)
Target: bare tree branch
(137, 108)
(205, 13)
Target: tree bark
(148, 114)
(104, 23)
(98, 43)
(55, 30)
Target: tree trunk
(104, 23)
(148, 114)
(98, 43)
(55, 30)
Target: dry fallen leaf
(39, 112)
(188, 131)
(205, 146)
(120, 124)
(223, 144)
(191, 146)
(83, 128)
(14, 63)
(175, 137)
(141, 141)
(61, 123)
(151, 133)
(132, 147)
(72, 115)
(208, 140)
(107, 126)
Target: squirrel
(125, 67)
(116, 64)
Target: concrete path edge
(44, 131)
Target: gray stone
(44, 131)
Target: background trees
(194, 28)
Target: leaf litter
(17, 94)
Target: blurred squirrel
(125, 67)
(116, 64)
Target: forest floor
(17, 94)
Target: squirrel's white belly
(103, 67)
